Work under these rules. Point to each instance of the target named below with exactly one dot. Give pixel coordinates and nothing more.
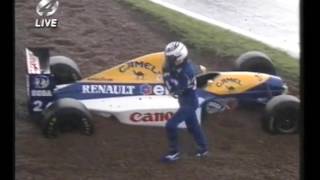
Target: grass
(204, 37)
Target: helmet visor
(170, 62)
(171, 58)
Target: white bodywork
(138, 110)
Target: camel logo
(229, 83)
(139, 75)
(230, 88)
(46, 8)
(138, 64)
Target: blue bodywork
(40, 97)
(88, 90)
(260, 94)
(42, 93)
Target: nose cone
(277, 86)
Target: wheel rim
(286, 120)
(68, 121)
(72, 121)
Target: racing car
(134, 92)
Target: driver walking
(179, 78)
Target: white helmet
(176, 52)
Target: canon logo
(150, 117)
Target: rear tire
(64, 69)
(282, 115)
(255, 61)
(66, 114)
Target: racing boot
(171, 156)
(201, 153)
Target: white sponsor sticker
(107, 89)
(41, 93)
(150, 117)
(33, 63)
(160, 90)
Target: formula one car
(134, 92)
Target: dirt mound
(98, 35)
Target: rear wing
(38, 60)
(40, 83)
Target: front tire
(283, 115)
(255, 61)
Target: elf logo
(46, 8)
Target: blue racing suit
(181, 83)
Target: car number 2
(37, 105)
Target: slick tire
(255, 61)
(282, 115)
(64, 115)
(64, 69)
